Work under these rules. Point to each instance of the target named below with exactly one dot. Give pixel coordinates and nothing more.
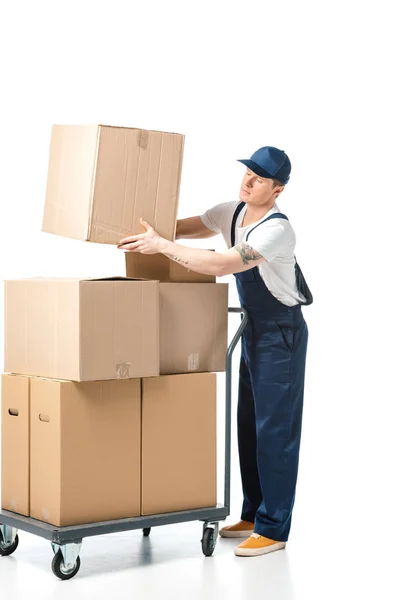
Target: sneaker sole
(236, 534)
(259, 551)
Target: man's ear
(278, 190)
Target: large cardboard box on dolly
(102, 179)
(193, 327)
(82, 330)
(178, 443)
(15, 415)
(85, 450)
(158, 266)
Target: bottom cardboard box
(85, 450)
(75, 453)
(15, 411)
(178, 442)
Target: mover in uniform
(272, 289)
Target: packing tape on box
(45, 515)
(123, 370)
(193, 362)
(143, 139)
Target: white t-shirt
(275, 240)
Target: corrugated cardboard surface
(193, 327)
(178, 443)
(82, 330)
(126, 345)
(85, 450)
(72, 160)
(42, 327)
(102, 179)
(158, 266)
(15, 444)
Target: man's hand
(145, 243)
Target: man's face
(257, 190)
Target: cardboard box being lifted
(85, 450)
(102, 179)
(158, 266)
(178, 443)
(15, 436)
(82, 330)
(193, 327)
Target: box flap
(69, 279)
(43, 280)
(117, 278)
(137, 129)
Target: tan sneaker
(240, 530)
(257, 545)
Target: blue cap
(270, 162)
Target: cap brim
(250, 164)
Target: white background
(319, 80)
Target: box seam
(178, 187)
(92, 186)
(155, 221)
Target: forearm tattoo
(177, 259)
(247, 253)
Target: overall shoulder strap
(273, 216)
(234, 219)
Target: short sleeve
(214, 217)
(271, 240)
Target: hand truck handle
(228, 399)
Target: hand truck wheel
(60, 570)
(7, 549)
(8, 540)
(209, 541)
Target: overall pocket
(286, 331)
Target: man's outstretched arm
(239, 258)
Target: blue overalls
(270, 405)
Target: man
(272, 289)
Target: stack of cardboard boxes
(109, 396)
